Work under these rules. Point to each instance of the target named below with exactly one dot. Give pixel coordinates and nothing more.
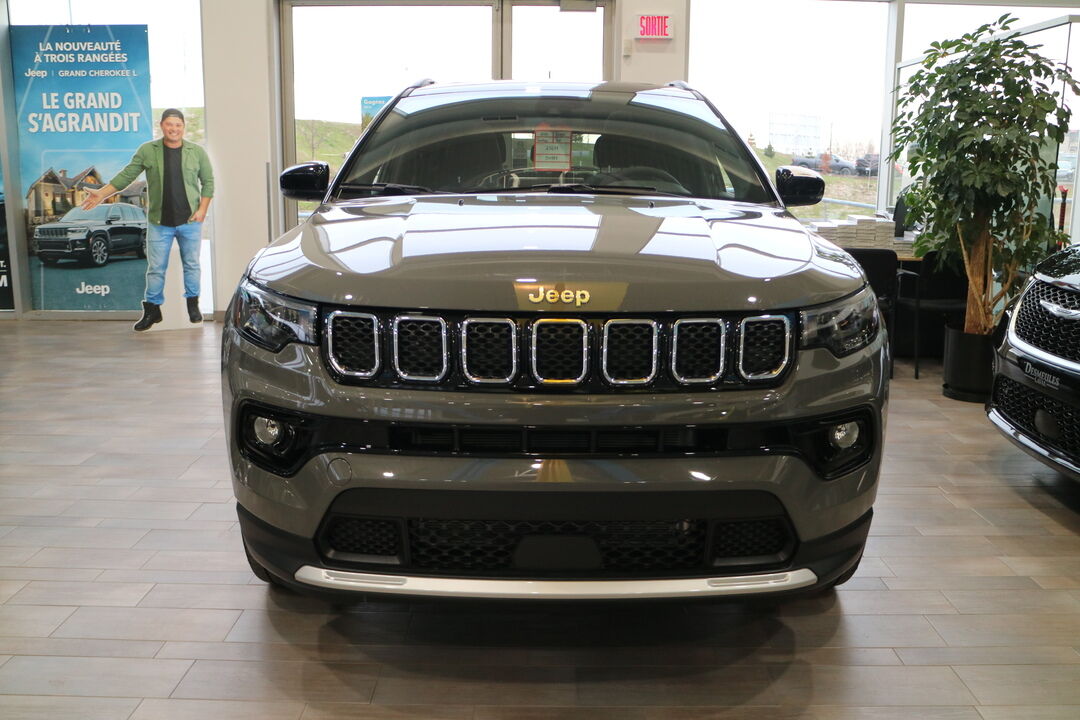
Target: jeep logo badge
(551, 295)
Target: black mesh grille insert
(559, 352)
(489, 350)
(353, 344)
(749, 538)
(1059, 426)
(624, 545)
(699, 350)
(629, 351)
(623, 548)
(363, 536)
(764, 346)
(1037, 326)
(420, 348)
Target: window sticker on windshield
(551, 149)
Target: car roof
(520, 88)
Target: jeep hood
(495, 253)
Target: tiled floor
(124, 592)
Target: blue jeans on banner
(158, 244)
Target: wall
(657, 61)
(240, 85)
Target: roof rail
(679, 84)
(418, 84)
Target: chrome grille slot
(697, 350)
(353, 343)
(630, 351)
(764, 343)
(489, 350)
(420, 348)
(560, 351)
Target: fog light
(268, 432)
(844, 436)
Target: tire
(140, 249)
(845, 171)
(98, 252)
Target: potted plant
(980, 121)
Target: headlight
(78, 231)
(843, 326)
(271, 320)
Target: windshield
(77, 213)
(637, 142)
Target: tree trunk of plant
(977, 320)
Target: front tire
(845, 171)
(98, 252)
(140, 249)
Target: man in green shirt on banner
(180, 183)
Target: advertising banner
(83, 103)
(370, 107)
(7, 295)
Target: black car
(837, 164)
(92, 236)
(1036, 396)
(868, 164)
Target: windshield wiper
(388, 189)
(582, 188)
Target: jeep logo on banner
(82, 95)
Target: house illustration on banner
(54, 193)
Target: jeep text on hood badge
(551, 295)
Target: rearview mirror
(799, 185)
(306, 181)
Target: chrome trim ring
(445, 348)
(1029, 349)
(655, 352)
(675, 350)
(513, 350)
(584, 350)
(556, 589)
(742, 346)
(330, 344)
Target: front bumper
(282, 513)
(295, 562)
(1047, 385)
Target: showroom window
(448, 41)
(816, 86)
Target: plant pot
(968, 366)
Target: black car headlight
(271, 320)
(843, 326)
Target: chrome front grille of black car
(52, 232)
(1043, 320)
(570, 353)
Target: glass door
(342, 60)
(546, 42)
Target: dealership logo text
(1041, 376)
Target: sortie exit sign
(655, 27)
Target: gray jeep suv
(553, 341)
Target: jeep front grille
(574, 354)
(1036, 326)
(52, 232)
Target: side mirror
(799, 185)
(306, 181)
